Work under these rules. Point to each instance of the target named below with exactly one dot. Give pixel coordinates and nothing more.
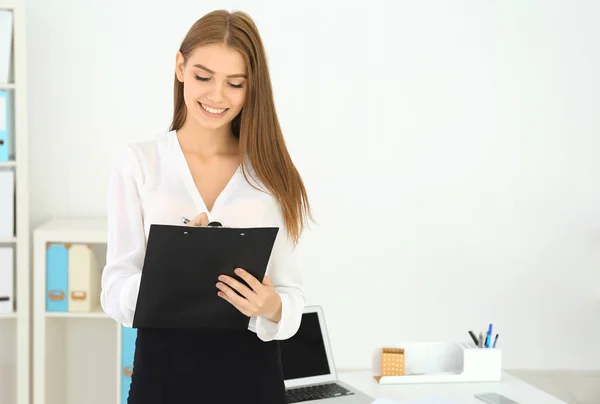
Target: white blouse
(151, 183)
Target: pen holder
(392, 362)
(441, 362)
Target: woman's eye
(208, 78)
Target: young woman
(224, 159)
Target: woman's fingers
(199, 220)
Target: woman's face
(214, 79)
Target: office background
(449, 148)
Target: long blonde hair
(256, 126)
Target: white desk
(461, 393)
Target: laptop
(308, 368)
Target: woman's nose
(216, 93)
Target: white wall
(449, 148)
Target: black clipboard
(181, 268)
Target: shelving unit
(7, 164)
(83, 357)
(15, 327)
(8, 315)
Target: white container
(6, 280)
(443, 362)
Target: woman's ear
(179, 65)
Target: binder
(7, 203)
(5, 146)
(84, 278)
(57, 277)
(128, 338)
(181, 268)
(6, 46)
(6, 280)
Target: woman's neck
(207, 142)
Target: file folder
(128, 338)
(5, 152)
(6, 46)
(57, 277)
(7, 280)
(7, 203)
(181, 269)
(84, 278)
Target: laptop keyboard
(316, 392)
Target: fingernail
(238, 271)
(222, 278)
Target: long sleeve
(287, 280)
(126, 241)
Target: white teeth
(212, 110)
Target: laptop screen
(304, 354)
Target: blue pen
(495, 340)
(488, 338)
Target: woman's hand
(260, 299)
(199, 220)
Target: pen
(480, 345)
(488, 338)
(474, 338)
(495, 340)
(185, 220)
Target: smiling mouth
(213, 111)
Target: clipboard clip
(185, 220)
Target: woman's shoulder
(143, 152)
(149, 147)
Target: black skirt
(205, 366)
